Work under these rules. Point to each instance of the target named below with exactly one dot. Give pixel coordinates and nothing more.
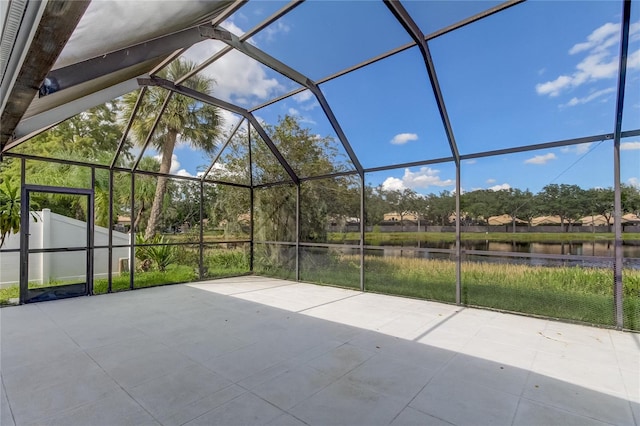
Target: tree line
(568, 202)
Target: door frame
(25, 214)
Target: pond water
(578, 248)
(598, 250)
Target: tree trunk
(138, 218)
(165, 167)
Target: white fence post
(45, 258)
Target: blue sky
(538, 72)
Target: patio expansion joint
(61, 328)
(260, 289)
(119, 386)
(435, 374)
(328, 303)
(287, 411)
(563, 409)
(6, 395)
(526, 381)
(629, 396)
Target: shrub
(159, 253)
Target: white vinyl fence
(51, 230)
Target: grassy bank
(374, 238)
(573, 293)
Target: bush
(228, 259)
(160, 254)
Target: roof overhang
(59, 48)
(39, 39)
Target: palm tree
(196, 123)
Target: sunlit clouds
(403, 138)
(541, 159)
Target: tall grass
(224, 262)
(582, 294)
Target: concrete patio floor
(254, 350)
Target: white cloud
(499, 187)
(490, 181)
(633, 60)
(301, 118)
(239, 78)
(629, 146)
(183, 172)
(634, 181)
(541, 159)
(303, 96)
(474, 161)
(600, 63)
(220, 169)
(422, 179)
(577, 101)
(393, 184)
(553, 88)
(601, 38)
(175, 164)
(229, 119)
(306, 100)
(402, 138)
(577, 149)
(276, 28)
(310, 105)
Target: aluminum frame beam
(121, 169)
(208, 99)
(127, 128)
(285, 70)
(433, 35)
(154, 126)
(617, 198)
(39, 123)
(328, 112)
(407, 22)
(215, 160)
(80, 72)
(57, 23)
(277, 15)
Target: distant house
(547, 220)
(595, 220)
(463, 215)
(503, 219)
(123, 224)
(631, 218)
(600, 220)
(395, 216)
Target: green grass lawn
(218, 263)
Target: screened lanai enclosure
(478, 153)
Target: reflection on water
(580, 248)
(596, 249)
